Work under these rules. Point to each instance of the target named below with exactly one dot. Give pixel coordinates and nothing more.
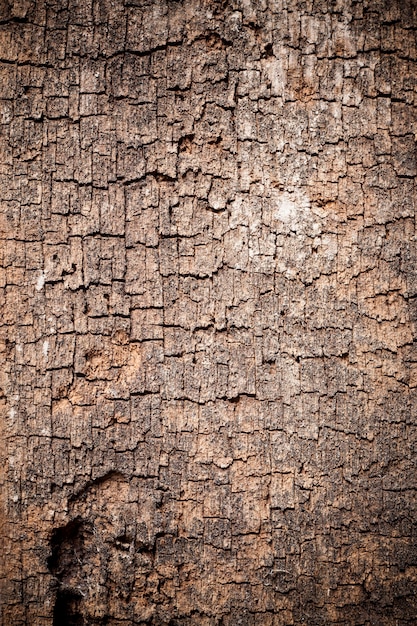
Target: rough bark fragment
(208, 311)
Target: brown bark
(208, 312)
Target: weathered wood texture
(208, 303)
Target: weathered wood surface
(208, 273)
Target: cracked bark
(208, 310)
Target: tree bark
(208, 282)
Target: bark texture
(209, 289)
